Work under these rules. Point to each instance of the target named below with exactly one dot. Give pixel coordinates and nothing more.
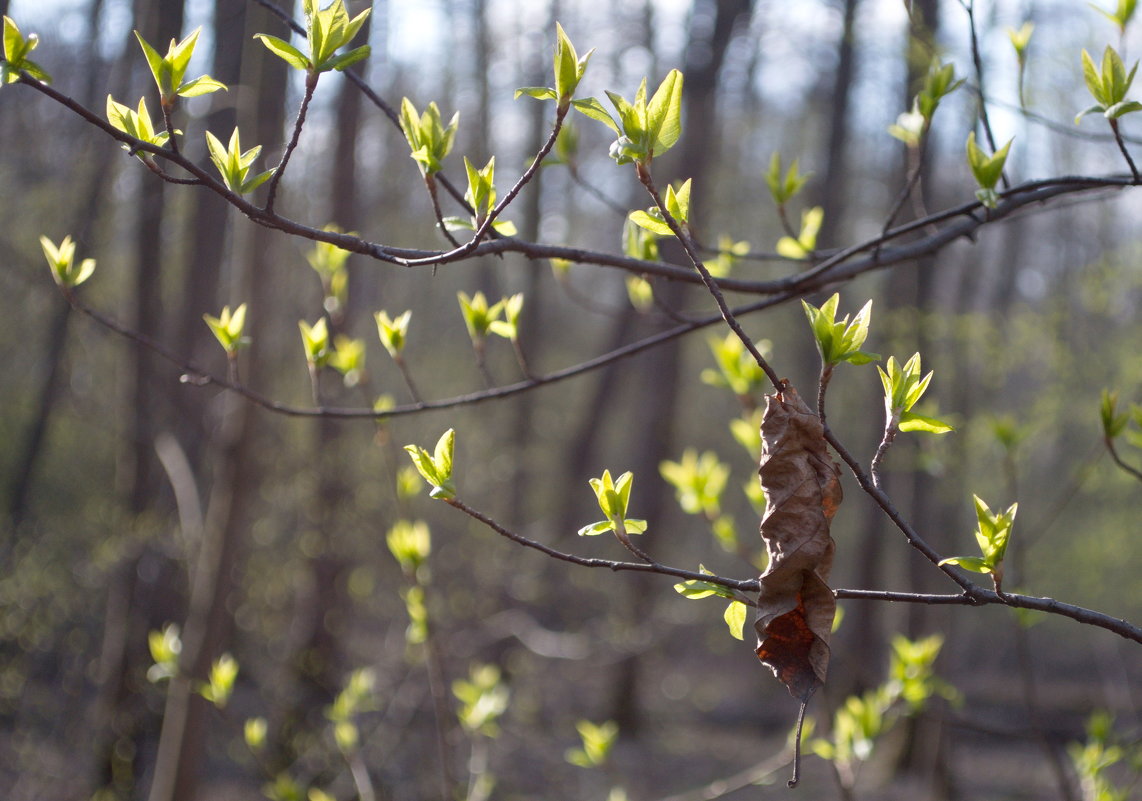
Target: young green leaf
(640, 292)
(165, 647)
(508, 328)
(806, 242)
(903, 387)
(61, 259)
(315, 341)
(840, 341)
(327, 30)
(284, 50)
(910, 127)
(254, 733)
(1108, 85)
(481, 196)
(737, 369)
(429, 139)
(1020, 39)
(1113, 423)
(16, 50)
(137, 124)
(227, 328)
(393, 332)
(639, 241)
(478, 315)
(410, 543)
(436, 467)
(735, 616)
(677, 204)
(348, 358)
(698, 482)
(664, 114)
(645, 130)
(569, 68)
(483, 699)
(938, 84)
(986, 169)
(169, 71)
(746, 431)
(993, 531)
(1122, 14)
(220, 684)
(591, 107)
(613, 498)
(784, 189)
(234, 165)
(911, 671)
(597, 741)
(729, 252)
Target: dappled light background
(126, 485)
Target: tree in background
(231, 520)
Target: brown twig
(276, 179)
(485, 225)
(1129, 469)
(1124, 151)
(647, 180)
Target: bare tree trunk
(661, 369)
(318, 660)
(237, 476)
(202, 289)
(833, 195)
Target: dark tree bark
(90, 192)
(237, 473)
(202, 289)
(713, 23)
(318, 660)
(832, 195)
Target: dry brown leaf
(802, 489)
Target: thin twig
(916, 163)
(407, 376)
(279, 171)
(977, 64)
(486, 224)
(596, 193)
(651, 566)
(973, 594)
(647, 181)
(757, 774)
(890, 429)
(1125, 152)
(1118, 459)
(885, 503)
(430, 184)
(841, 266)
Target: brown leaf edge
(795, 606)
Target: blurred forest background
(132, 500)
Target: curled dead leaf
(802, 486)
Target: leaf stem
(797, 745)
